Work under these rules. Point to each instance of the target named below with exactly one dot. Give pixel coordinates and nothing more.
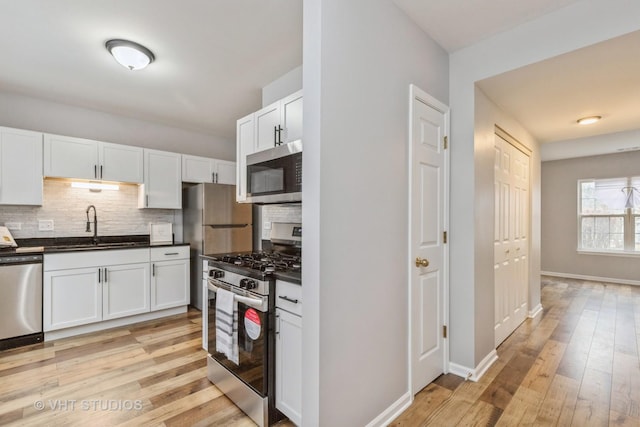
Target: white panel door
(197, 169)
(427, 226)
(162, 180)
(169, 284)
(511, 238)
(225, 172)
(122, 163)
(71, 298)
(245, 144)
(289, 365)
(267, 122)
(125, 290)
(291, 117)
(68, 157)
(20, 167)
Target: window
(608, 214)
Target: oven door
(253, 329)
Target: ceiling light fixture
(129, 54)
(588, 120)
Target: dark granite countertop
(70, 244)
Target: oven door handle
(251, 302)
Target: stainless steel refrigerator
(213, 223)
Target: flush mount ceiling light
(588, 120)
(129, 54)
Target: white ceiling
(549, 96)
(456, 24)
(214, 56)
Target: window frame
(629, 222)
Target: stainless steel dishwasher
(20, 300)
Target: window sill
(609, 253)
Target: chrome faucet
(95, 224)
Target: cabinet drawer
(289, 297)
(166, 253)
(97, 258)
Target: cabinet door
(197, 169)
(291, 117)
(225, 172)
(169, 284)
(71, 298)
(125, 290)
(289, 365)
(20, 167)
(245, 144)
(67, 157)
(121, 163)
(162, 186)
(267, 121)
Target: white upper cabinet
(245, 131)
(278, 123)
(275, 124)
(291, 117)
(69, 157)
(267, 127)
(20, 167)
(203, 169)
(162, 187)
(122, 163)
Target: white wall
(567, 29)
(283, 86)
(592, 146)
(359, 59)
(560, 217)
(30, 113)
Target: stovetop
(260, 265)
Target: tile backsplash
(118, 213)
(278, 213)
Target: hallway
(576, 364)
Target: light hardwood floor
(152, 373)
(576, 365)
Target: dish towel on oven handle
(227, 325)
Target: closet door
(511, 237)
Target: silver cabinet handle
(213, 177)
(105, 275)
(171, 253)
(277, 324)
(99, 275)
(286, 298)
(153, 270)
(100, 171)
(95, 171)
(147, 201)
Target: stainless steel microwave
(275, 175)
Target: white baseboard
(113, 323)
(535, 312)
(591, 278)
(474, 374)
(393, 411)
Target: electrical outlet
(267, 225)
(13, 226)
(45, 225)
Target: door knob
(422, 262)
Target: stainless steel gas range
(241, 336)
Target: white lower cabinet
(72, 297)
(125, 290)
(85, 287)
(289, 351)
(170, 277)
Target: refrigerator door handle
(227, 225)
